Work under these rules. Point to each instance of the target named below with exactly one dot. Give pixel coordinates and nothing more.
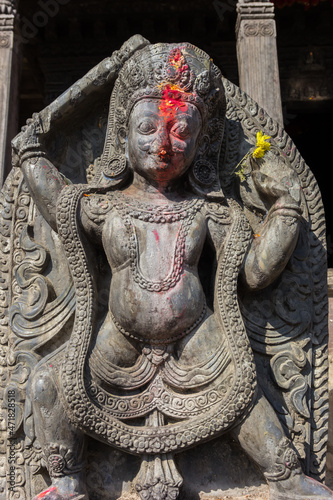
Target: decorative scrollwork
(262, 28)
(243, 110)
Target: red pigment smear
(42, 495)
(156, 235)
(182, 314)
(162, 154)
(171, 102)
(172, 94)
(177, 60)
(170, 304)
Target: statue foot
(158, 478)
(299, 487)
(70, 487)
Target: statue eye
(146, 127)
(180, 130)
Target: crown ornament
(175, 74)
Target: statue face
(162, 138)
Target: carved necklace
(184, 212)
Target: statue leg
(62, 444)
(262, 438)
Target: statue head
(172, 84)
(162, 139)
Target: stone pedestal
(9, 56)
(257, 55)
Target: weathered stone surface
(213, 471)
(163, 286)
(330, 358)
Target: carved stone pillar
(329, 461)
(9, 55)
(257, 55)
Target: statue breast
(156, 293)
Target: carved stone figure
(155, 302)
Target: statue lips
(162, 158)
(165, 156)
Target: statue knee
(43, 388)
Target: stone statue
(157, 301)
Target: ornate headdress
(175, 72)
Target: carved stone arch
(303, 406)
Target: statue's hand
(277, 235)
(277, 194)
(29, 143)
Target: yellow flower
(262, 146)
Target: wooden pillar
(257, 55)
(9, 57)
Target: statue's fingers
(267, 185)
(254, 164)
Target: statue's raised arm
(44, 181)
(271, 250)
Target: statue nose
(161, 143)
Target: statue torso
(153, 252)
(155, 288)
